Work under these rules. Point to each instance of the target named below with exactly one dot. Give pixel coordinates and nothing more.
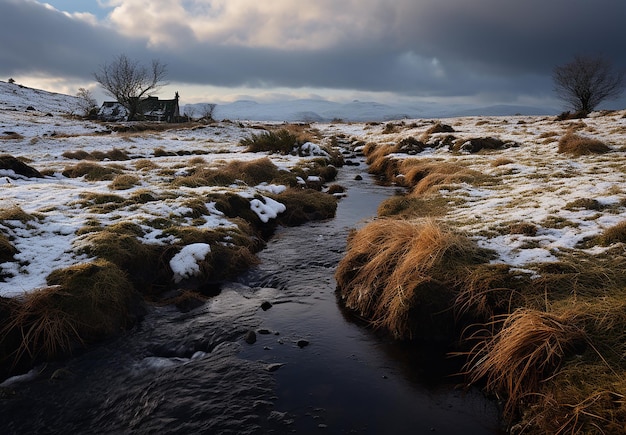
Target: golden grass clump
(7, 250)
(524, 228)
(614, 234)
(114, 154)
(304, 205)
(252, 173)
(502, 161)
(436, 128)
(577, 145)
(379, 161)
(11, 135)
(302, 132)
(15, 213)
(400, 275)
(82, 303)
(427, 177)
(405, 206)
(584, 204)
(119, 245)
(490, 290)
(124, 182)
(280, 141)
(102, 203)
(527, 350)
(225, 260)
(145, 165)
(91, 171)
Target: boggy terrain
(505, 241)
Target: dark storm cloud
(37, 40)
(421, 47)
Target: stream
(311, 369)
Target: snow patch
(267, 209)
(185, 263)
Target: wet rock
(266, 306)
(20, 168)
(410, 145)
(264, 331)
(358, 178)
(250, 337)
(477, 144)
(302, 343)
(273, 367)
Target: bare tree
(585, 82)
(206, 112)
(130, 83)
(87, 104)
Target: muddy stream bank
(308, 367)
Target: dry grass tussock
(7, 250)
(614, 234)
(303, 205)
(578, 145)
(552, 345)
(252, 173)
(436, 128)
(527, 350)
(401, 274)
(427, 177)
(82, 303)
(113, 155)
(11, 135)
(280, 141)
(380, 162)
(15, 213)
(92, 171)
(405, 206)
(124, 182)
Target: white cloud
(284, 24)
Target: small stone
(250, 337)
(358, 178)
(273, 367)
(266, 306)
(302, 343)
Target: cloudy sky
(479, 52)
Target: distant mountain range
(17, 97)
(307, 110)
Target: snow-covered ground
(528, 183)
(534, 186)
(35, 126)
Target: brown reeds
(527, 350)
(82, 303)
(124, 182)
(614, 234)
(91, 171)
(400, 275)
(425, 176)
(578, 145)
(251, 172)
(379, 161)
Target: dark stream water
(312, 369)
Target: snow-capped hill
(507, 110)
(20, 98)
(310, 110)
